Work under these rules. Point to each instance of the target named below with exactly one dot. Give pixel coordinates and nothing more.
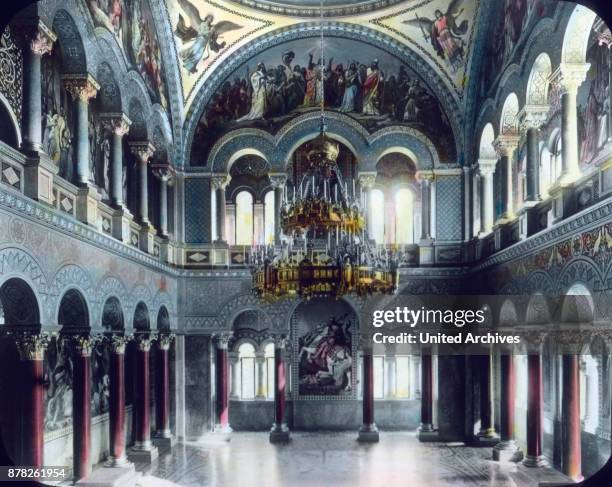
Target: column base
(164, 441)
(144, 452)
(112, 477)
(222, 433)
(280, 434)
(535, 461)
(426, 433)
(368, 433)
(507, 451)
(112, 462)
(487, 439)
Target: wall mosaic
(11, 72)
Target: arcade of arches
(147, 145)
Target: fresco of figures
(594, 99)
(325, 348)
(131, 22)
(100, 369)
(516, 21)
(377, 90)
(59, 121)
(58, 386)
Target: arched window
(244, 218)
(269, 356)
(377, 216)
(246, 371)
(546, 180)
(269, 212)
(404, 216)
(392, 377)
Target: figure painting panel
(324, 331)
(594, 100)
(58, 374)
(376, 89)
(132, 23)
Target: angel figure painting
(446, 33)
(200, 37)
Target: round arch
(577, 33)
(538, 83)
(19, 304)
(112, 315)
(141, 321)
(73, 311)
(163, 319)
(509, 115)
(487, 137)
(577, 305)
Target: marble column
(534, 456)
(505, 146)
(486, 168)
(278, 183)
(82, 87)
(222, 413)
(366, 184)
(426, 425)
(39, 41)
(280, 431)
(81, 412)
(116, 409)
(487, 428)
(506, 449)
(260, 375)
(164, 172)
(118, 124)
(219, 184)
(532, 125)
(426, 207)
(234, 360)
(143, 449)
(569, 77)
(570, 411)
(143, 150)
(368, 431)
(31, 349)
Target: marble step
(111, 477)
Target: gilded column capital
(222, 340)
(163, 171)
(142, 149)
(220, 181)
(505, 145)
(81, 86)
(164, 340)
(569, 76)
(486, 167)
(366, 179)
(38, 37)
(118, 343)
(278, 180)
(116, 123)
(533, 117)
(144, 341)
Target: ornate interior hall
(203, 203)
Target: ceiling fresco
(208, 33)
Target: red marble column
(117, 456)
(222, 425)
(534, 456)
(368, 431)
(31, 350)
(279, 432)
(143, 399)
(163, 387)
(81, 400)
(572, 455)
(426, 393)
(506, 449)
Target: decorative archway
(141, 317)
(73, 311)
(112, 315)
(19, 304)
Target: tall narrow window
(404, 217)
(269, 212)
(213, 215)
(402, 376)
(377, 216)
(269, 355)
(246, 358)
(244, 218)
(379, 376)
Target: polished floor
(335, 459)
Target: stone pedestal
(563, 201)
(426, 252)
(87, 205)
(122, 221)
(147, 238)
(39, 172)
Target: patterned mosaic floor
(335, 459)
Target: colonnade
(32, 346)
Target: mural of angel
(202, 36)
(444, 33)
